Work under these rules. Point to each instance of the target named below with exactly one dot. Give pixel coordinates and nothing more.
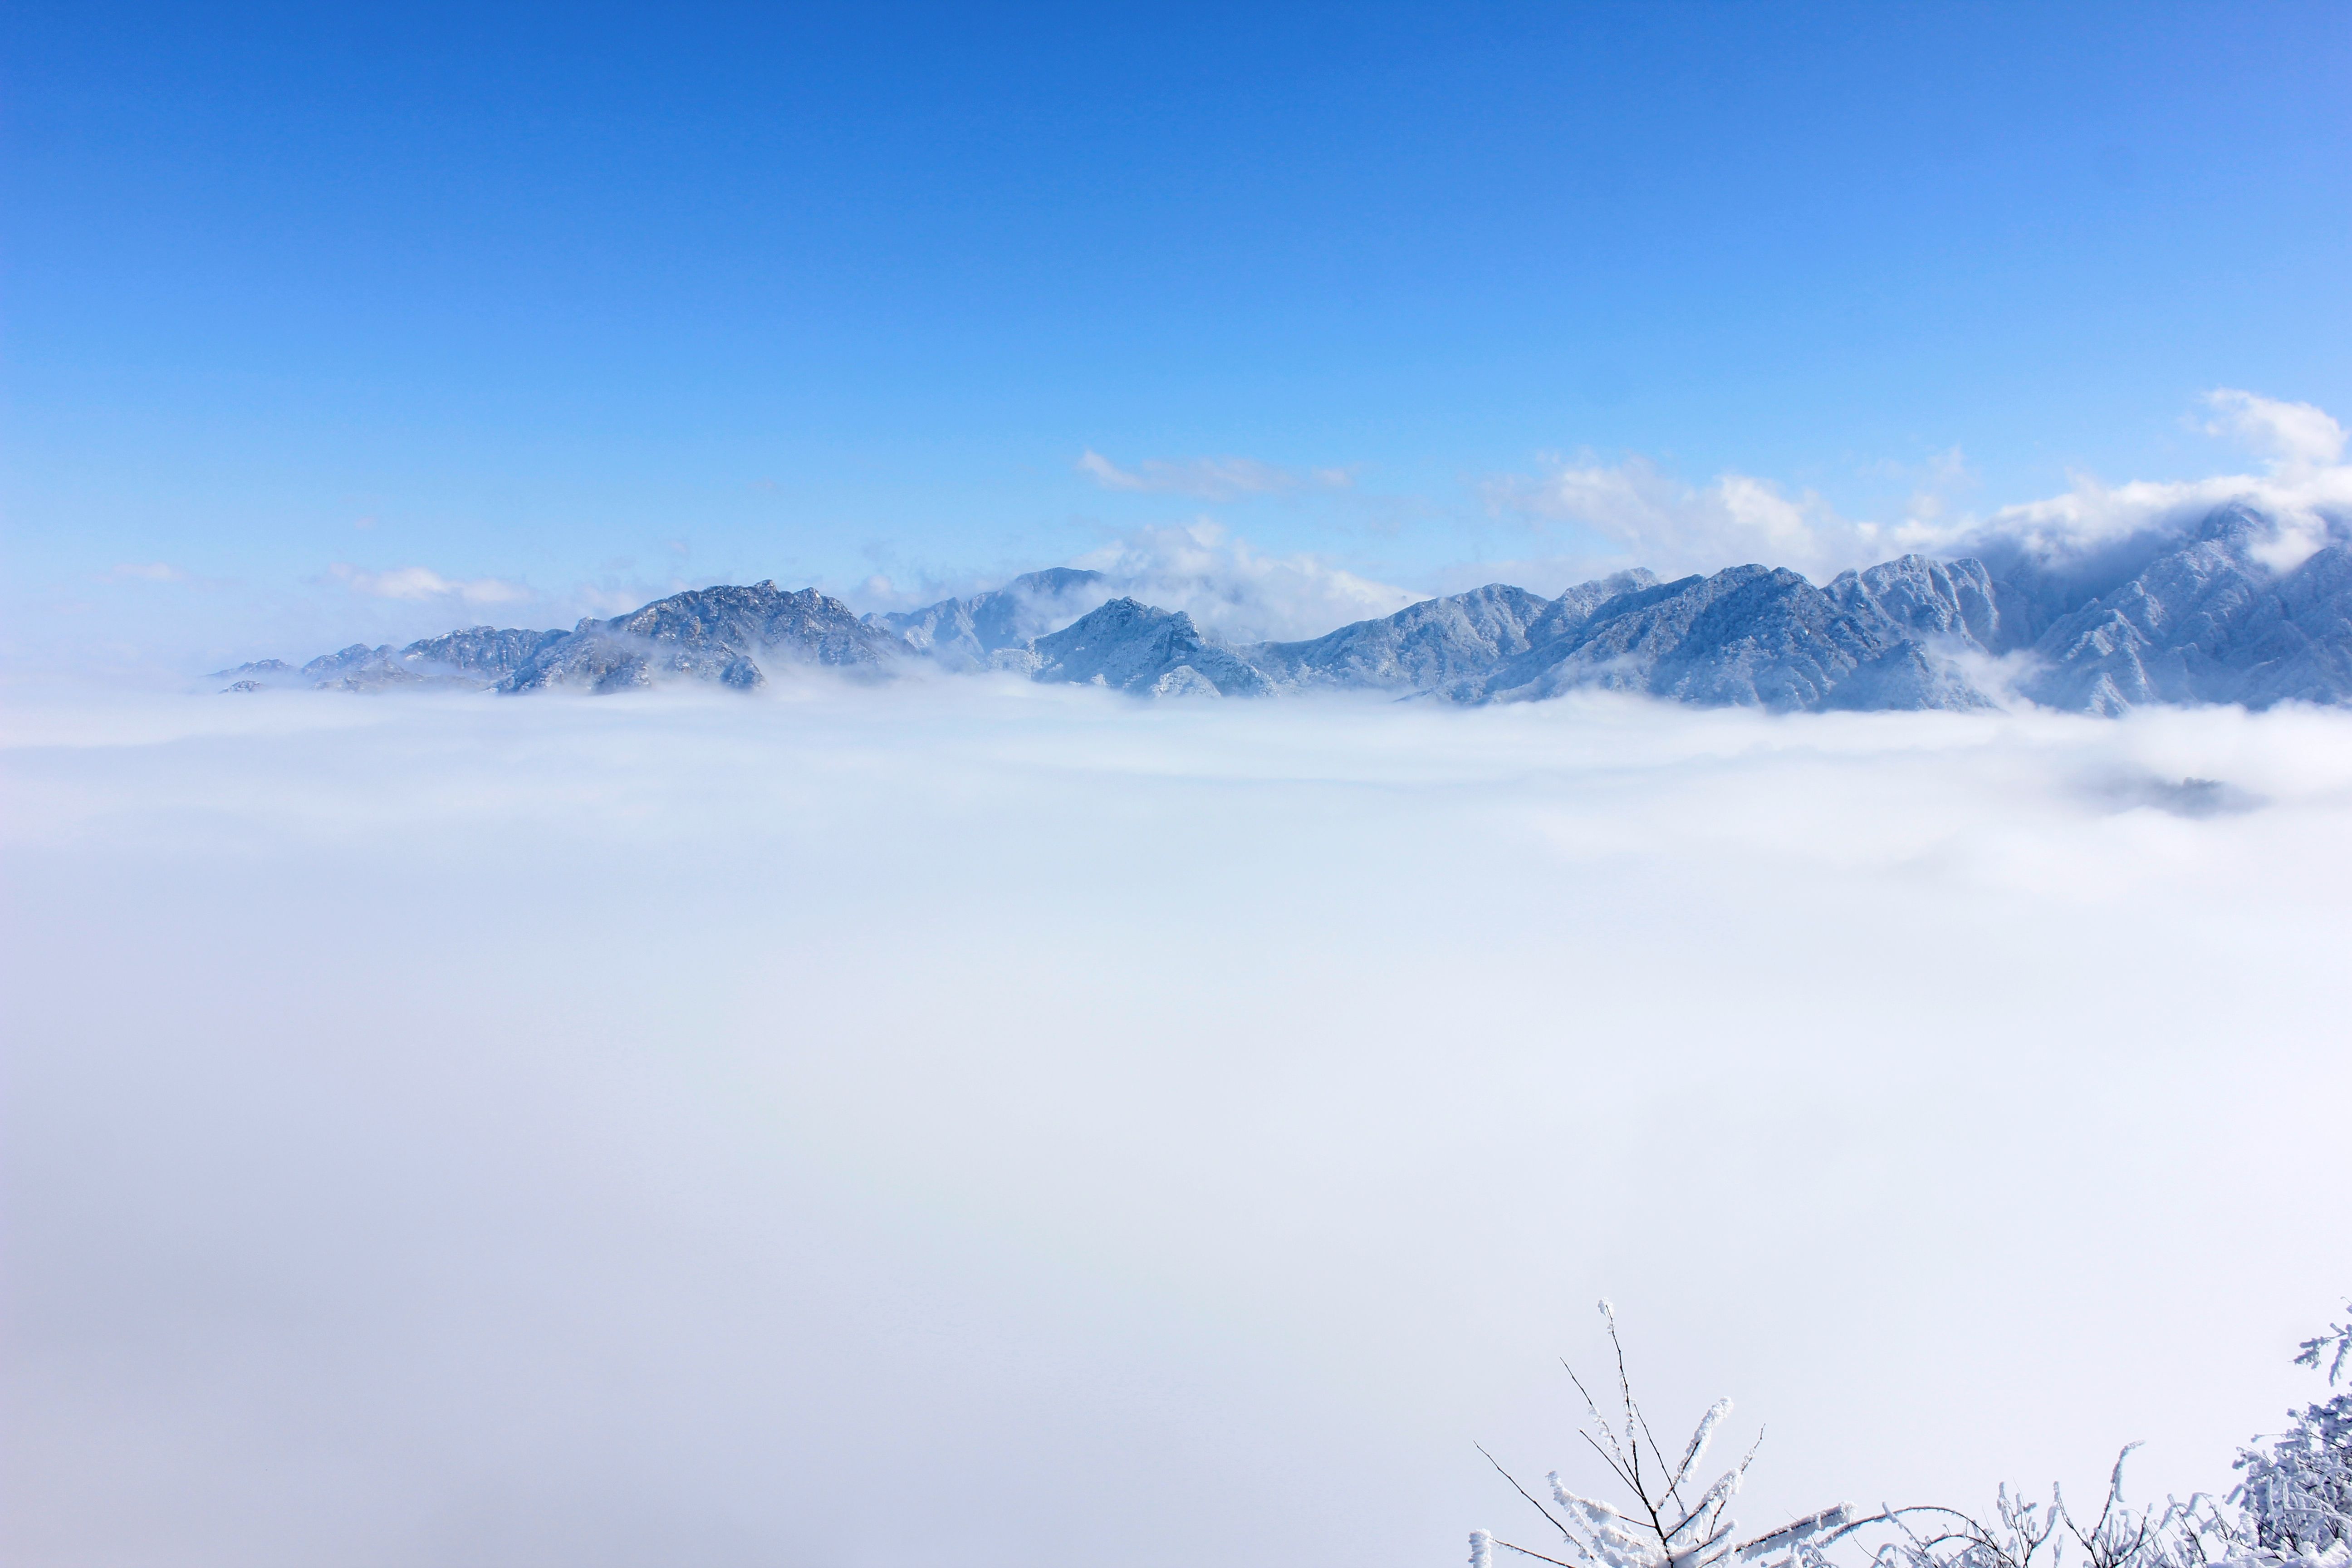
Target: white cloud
(814, 1126)
(148, 571)
(1673, 526)
(2093, 513)
(1209, 479)
(1234, 592)
(420, 583)
(2296, 436)
(2305, 489)
(1654, 519)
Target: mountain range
(2204, 614)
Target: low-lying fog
(1016, 1126)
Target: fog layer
(1008, 1125)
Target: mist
(975, 1123)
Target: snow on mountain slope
(477, 656)
(964, 634)
(1135, 647)
(709, 633)
(2209, 622)
(1750, 636)
(1434, 645)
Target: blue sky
(585, 301)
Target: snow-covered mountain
(479, 656)
(2208, 622)
(717, 635)
(1752, 636)
(710, 633)
(1443, 645)
(2211, 614)
(965, 634)
(1136, 648)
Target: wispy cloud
(149, 572)
(422, 582)
(1210, 478)
(616, 598)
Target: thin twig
(1525, 1493)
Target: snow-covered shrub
(2297, 1508)
(2297, 1491)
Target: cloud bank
(884, 1126)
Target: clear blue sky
(597, 294)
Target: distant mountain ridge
(2189, 617)
(1135, 647)
(967, 634)
(1444, 646)
(710, 633)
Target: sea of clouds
(976, 1123)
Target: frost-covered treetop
(1672, 1522)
